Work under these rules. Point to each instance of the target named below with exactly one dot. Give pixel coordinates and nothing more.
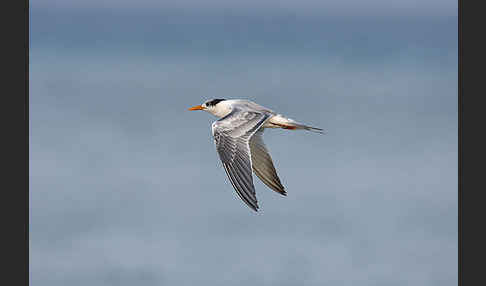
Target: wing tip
(280, 190)
(254, 207)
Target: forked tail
(308, 128)
(287, 123)
(298, 126)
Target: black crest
(214, 102)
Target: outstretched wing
(263, 165)
(232, 134)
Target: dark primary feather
(263, 165)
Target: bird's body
(239, 143)
(222, 108)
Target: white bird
(238, 138)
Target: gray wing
(263, 165)
(232, 134)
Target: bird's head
(212, 106)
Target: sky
(126, 187)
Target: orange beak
(197, 107)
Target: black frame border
(16, 142)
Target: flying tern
(238, 136)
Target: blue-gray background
(126, 187)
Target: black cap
(213, 102)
